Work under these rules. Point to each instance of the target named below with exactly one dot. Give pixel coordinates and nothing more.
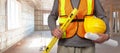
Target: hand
(103, 38)
(57, 33)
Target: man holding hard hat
(72, 40)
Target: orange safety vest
(85, 8)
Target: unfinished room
(59, 26)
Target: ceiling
(47, 4)
(34, 3)
(40, 4)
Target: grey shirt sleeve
(53, 16)
(99, 12)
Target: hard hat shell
(94, 24)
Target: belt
(77, 20)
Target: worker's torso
(75, 26)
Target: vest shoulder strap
(89, 7)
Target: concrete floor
(36, 42)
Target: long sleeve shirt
(76, 41)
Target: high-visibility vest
(85, 8)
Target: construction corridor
(24, 27)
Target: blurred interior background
(24, 28)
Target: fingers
(102, 38)
(57, 33)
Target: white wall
(17, 23)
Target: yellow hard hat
(94, 24)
